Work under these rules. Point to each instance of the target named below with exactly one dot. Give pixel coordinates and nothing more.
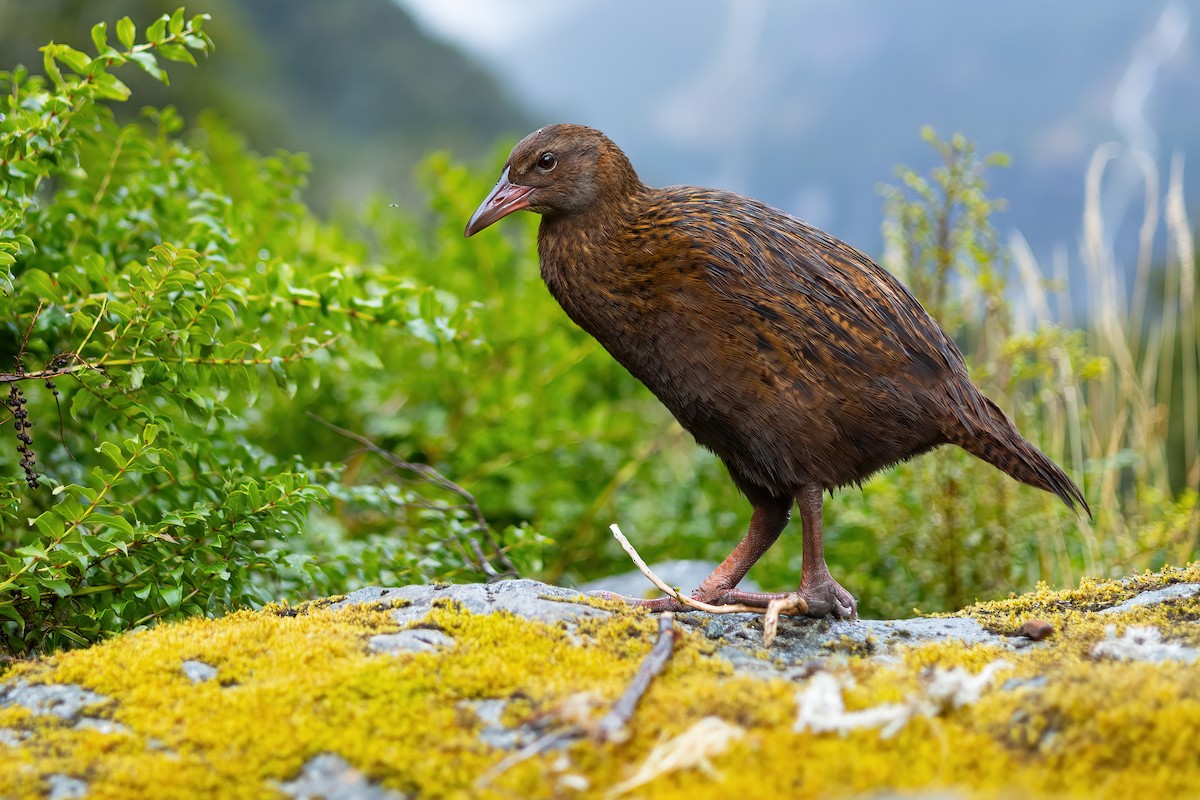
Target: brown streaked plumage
(795, 358)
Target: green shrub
(163, 298)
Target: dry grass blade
(691, 749)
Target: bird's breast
(696, 351)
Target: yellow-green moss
(1072, 605)
(296, 682)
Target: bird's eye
(547, 162)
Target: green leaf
(100, 37)
(157, 30)
(176, 52)
(126, 32)
(77, 60)
(41, 286)
(121, 524)
(109, 88)
(51, 66)
(8, 611)
(59, 587)
(149, 63)
(113, 452)
(282, 379)
(172, 594)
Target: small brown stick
(732, 608)
(611, 727)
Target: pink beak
(506, 198)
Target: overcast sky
(810, 105)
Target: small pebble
(715, 629)
(1036, 629)
(198, 671)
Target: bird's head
(556, 170)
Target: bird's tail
(997, 441)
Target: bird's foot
(825, 596)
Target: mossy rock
(459, 692)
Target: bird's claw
(826, 597)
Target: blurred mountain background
(808, 106)
(359, 86)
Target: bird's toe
(827, 598)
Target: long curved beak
(506, 198)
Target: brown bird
(795, 358)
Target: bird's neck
(583, 256)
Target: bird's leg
(823, 594)
(818, 588)
(766, 523)
(769, 519)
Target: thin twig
(732, 608)
(25, 339)
(792, 604)
(436, 478)
(788, 604)
(611, 727)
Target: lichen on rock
(422, 691)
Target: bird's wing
(826, 319)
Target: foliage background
(175, 320)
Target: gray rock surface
(198, 671)
(64, 787)
(330, 777)
(413, 640)
(1155, 596)
(524, 597)
(11, 737)
(100, 725)
(1142, 643)
(801, 641)
(802, 649)
(64, 701)
(494, 732)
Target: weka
(795, 358)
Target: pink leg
(824, 595)
(817, 586)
